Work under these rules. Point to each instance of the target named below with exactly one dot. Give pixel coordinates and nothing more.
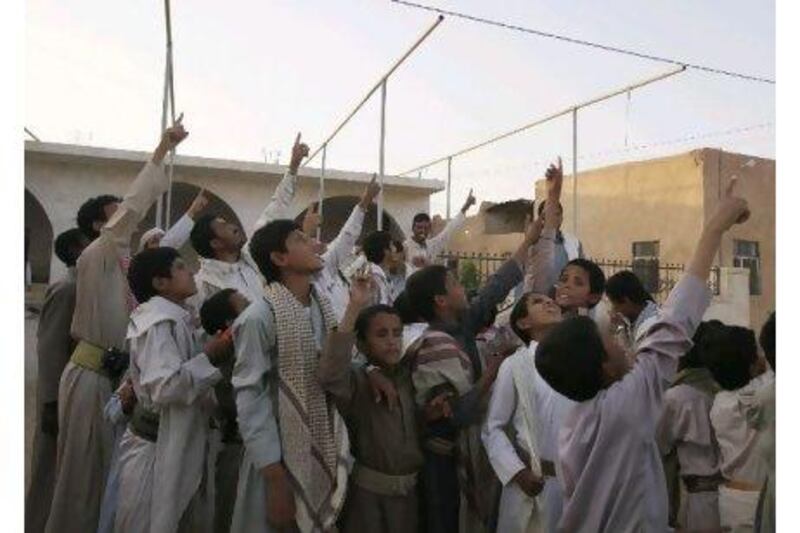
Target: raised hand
(533, 228)
(362, 287)
(731, 210)
(198, 204)
(469, 202)
(170, 139)
(312, 220)
(370, 193)
(219, 348)
(554, 179)
(299, 152)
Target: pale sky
(249, 75)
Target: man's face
(573, 290)
(421, 230)
(542, 312)
(180, 285)
(301, 256)
(229, 237)
(384, 339)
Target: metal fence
(658, 278)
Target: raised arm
(342, 246)
(541, 256)
(278, 205)
(179, 233)
(144, 191)
(437, 244)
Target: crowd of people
(296, 385)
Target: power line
(582, 42)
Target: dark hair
(148, 265)
(694, 357)
(540, 209)
(375, 246)
(366, 315)
(570, 358)
(68, 246)
(519, 312)
(422, 288)
(421, 217)
(217, 311)
(490, 317)
(202, 235)
(597, 280)
(404, 308)
(93, 210)
(268, 239)
(398, 245)
(625, 284)
(767, 340)
(729, 352)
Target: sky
(249, 75)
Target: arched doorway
(182, 196)
(38, 239)
(337, 209)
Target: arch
(38, 239)
(336, 211)
(182, 196)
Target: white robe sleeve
(167, 377)
(342, 246)
(501, 452)
(437, 244)
(142, 193)
(179, 233)
(254, 338)
(278, 205)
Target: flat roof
(77, 153)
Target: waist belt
(89, 356)
(144, 423)
(702, 483)
(383, 484)
(737, 484)
(439, 446)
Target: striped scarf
(312, 432)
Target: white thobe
(387, 288)
(101, 314)
(179, 233)
(173, 378)
(243, 275)
(735, 419)
(255, 380)
(432, 248)
(610, 464)
(534, 424)
(330, 281)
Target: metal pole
(380, 82)
(381, 154)
(575, 172)
(34, 137)
(549, 118)
(449, 174)
(321, 190)
(164, 102)
(170, 78)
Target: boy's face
(384, 339)
(626, 308)
(180, 285)
(238, 302)
(616, 363)
(301, 255)
(455, 299)
(227, 235)
(573, 290)
(542, 313)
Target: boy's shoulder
(259, 310)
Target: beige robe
(53, 346)
(101, 316)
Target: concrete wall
(62, 177)
(757, 184)
(732, 304)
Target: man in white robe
(102, 308)
(178, 234)
(382, 256)
(421, 249)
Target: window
(645, 264)
(746, 255)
